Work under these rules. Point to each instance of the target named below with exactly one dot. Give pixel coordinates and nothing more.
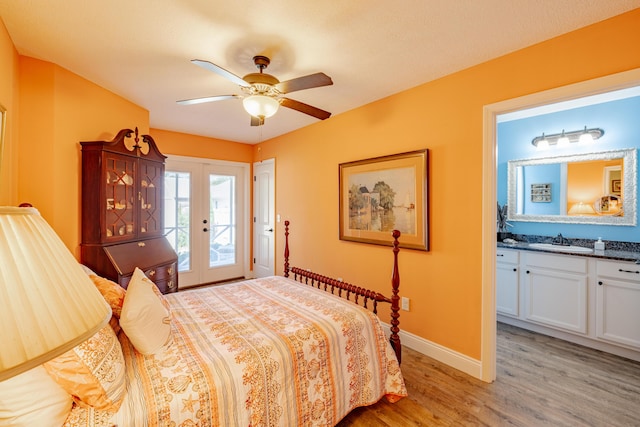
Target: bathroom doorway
(531, 104)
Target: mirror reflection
(585, 188)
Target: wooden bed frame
(346, 290)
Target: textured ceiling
(141, 49)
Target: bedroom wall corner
(9, 79)
(58, 109)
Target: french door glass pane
(177, 202)
(222, 234)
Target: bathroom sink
(559, 248)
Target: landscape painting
(383, 194)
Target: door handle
(270, 230)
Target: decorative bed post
(346, 290)
(395, 299)
(286, 248)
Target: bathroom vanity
(589, 298)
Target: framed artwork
(540, 193)
(383, 194)
(615, 186)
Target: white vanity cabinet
(555, 291)
(618, 302)
(586, 300)
(507, 282)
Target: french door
(206, 218)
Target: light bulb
(563, 141)
(261, 106)
(586, 137)
(543, 144)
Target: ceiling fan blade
(206, 99)
(305, 108)
(305, 82)
(221, 71)
(256, 121)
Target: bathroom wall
(619, 120)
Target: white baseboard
(440, 353)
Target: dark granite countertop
(618, 251)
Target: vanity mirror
(582, 188)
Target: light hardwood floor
(541, 381)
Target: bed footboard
(361, 296)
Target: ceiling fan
(263, 92)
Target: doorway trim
(623, 80)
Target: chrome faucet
(560, 240)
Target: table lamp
(49, 304)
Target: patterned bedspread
(263, 352)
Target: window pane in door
(177, 193)
(222, 235)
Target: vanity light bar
(571, 137)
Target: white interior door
(206, 218)
(263, 218)
(221, 224)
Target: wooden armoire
(122, 210)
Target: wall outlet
(405, 303)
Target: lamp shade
(261, 105)
(581, 208)
(49, 304)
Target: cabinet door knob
(151, 273)
(600, 283)
(170, 284)
(205, 229)
(527, 271)
(515, 269)
(141, 244)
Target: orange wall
(197, 146)
(9, 101)
(57, 110)
(445, 116)
(585, 181)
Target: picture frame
(540, 193)
(380, 194)
(615, 185)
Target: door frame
(245, 214)
(601, 85)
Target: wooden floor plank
(541, 381)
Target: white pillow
(87, 270)
(33, 398)
(144, 318)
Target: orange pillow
(114, 295)
(93, 373)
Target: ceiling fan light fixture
(261, 106)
